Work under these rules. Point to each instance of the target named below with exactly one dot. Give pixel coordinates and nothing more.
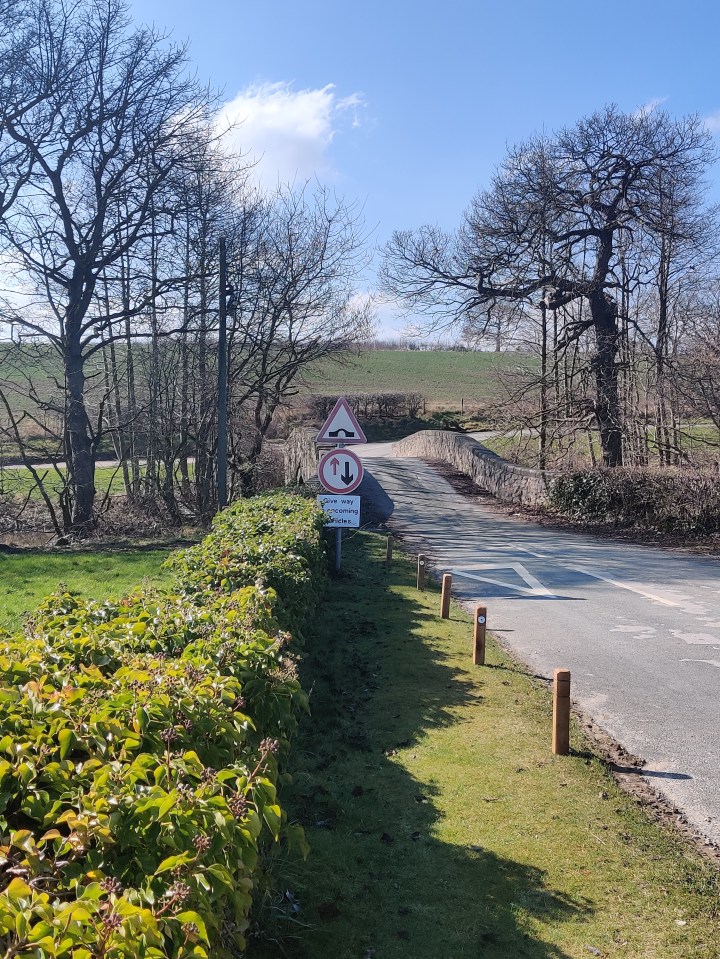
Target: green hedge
(139, 748)
(272, 547)
(666, 501)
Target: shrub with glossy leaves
(139, 750)
(273, 540)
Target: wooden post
(479, 636)
(338, 549)
(561, 712)
(445, 597)
(421, 571)
(389, 552)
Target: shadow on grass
(379, 882)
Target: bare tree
(553, 229)
(295, 258)
(110, 123)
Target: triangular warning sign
(340, 427)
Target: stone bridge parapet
(506, 481)
(301, 456)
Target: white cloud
(650, 107)
(712, 123)
(288, 131)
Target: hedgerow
(139, 749)
(269, 546)
(666, 501)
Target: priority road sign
(340, 427)
(340, 471)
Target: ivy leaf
(189, 916)
(174, 862)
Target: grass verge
(440, 824)
(29, 575)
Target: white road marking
(632, 587)
(710, 662)
(534, 586)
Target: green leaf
(17, 890)
(173, 862)
(295, 835)
(23, 839)
(167, 804)
(189, 916)
(66, 738)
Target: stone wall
(301, 456)
(506, 481)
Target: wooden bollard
(421, 571)
(445, 596)
(479, 636)
(561, 712)
(389, 552)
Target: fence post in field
(389, 552)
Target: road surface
(639, 627)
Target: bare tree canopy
(115, 193)
(564, 220)
(97, 121)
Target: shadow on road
(376, 506)
(649, 773)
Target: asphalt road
(639, 627)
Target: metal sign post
(340, 471)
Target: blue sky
(408, 107)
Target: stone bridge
(506, 481)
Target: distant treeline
(426, 345)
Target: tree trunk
(607, 402)
(82, 459)
(543, 386)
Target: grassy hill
(443, 377)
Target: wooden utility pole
(221, 478)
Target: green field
(445, 378)
(29, 575)
(20, 482)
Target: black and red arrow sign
(340, 471)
